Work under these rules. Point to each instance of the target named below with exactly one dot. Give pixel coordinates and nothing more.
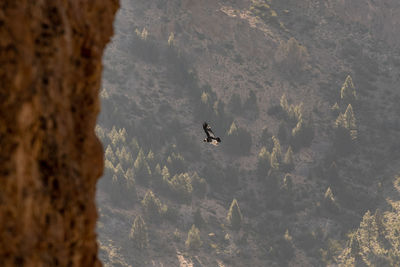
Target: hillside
(304, 95)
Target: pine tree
(181, 186)
(134, 146)
(199, 185)
(265, 139)
(176, 163)
(193, 240)
(251, 104)
(284, 103)
(171, 39)
(139, 233)
(150, 159)
(350, 121)
(330, 201)
(152, 206)
(276, 149)
(274, 162)
(233, 129)
(263, 162)
(335, 109)
(235, 217)
(288, 159)
(165, 174)
(287, 193)
(238, 140)
(141, 168)
(348, 91)
(109, 155)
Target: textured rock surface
(50, 158)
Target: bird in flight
(211, 138)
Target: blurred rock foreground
(50, 158)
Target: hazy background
(305, 97)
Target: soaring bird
(211, 138)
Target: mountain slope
(253, 70)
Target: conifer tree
(129, 176)
(335, 109)
(235, 217)
(288, 159)
(238, 140)
(157, 175)
(284, 103)
(348, 91)
(274, 162)
(263, 162)
(171, 39)
(181, 186)
(277, 148)
(150, 159)
(287, 193)
(109, 168)
(141, 168)
(176, 163)
(350, 121)
(265, 139)
(165, 174)
(134, 146)
(109, 155)
(251, 104)
(199, 185)
(139, 233)
(152, 206)
(330, 201)
(193, 240)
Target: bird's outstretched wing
(206, 129)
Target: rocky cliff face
(50, 159)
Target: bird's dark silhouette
(211, 138)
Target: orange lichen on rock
(50, 157)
